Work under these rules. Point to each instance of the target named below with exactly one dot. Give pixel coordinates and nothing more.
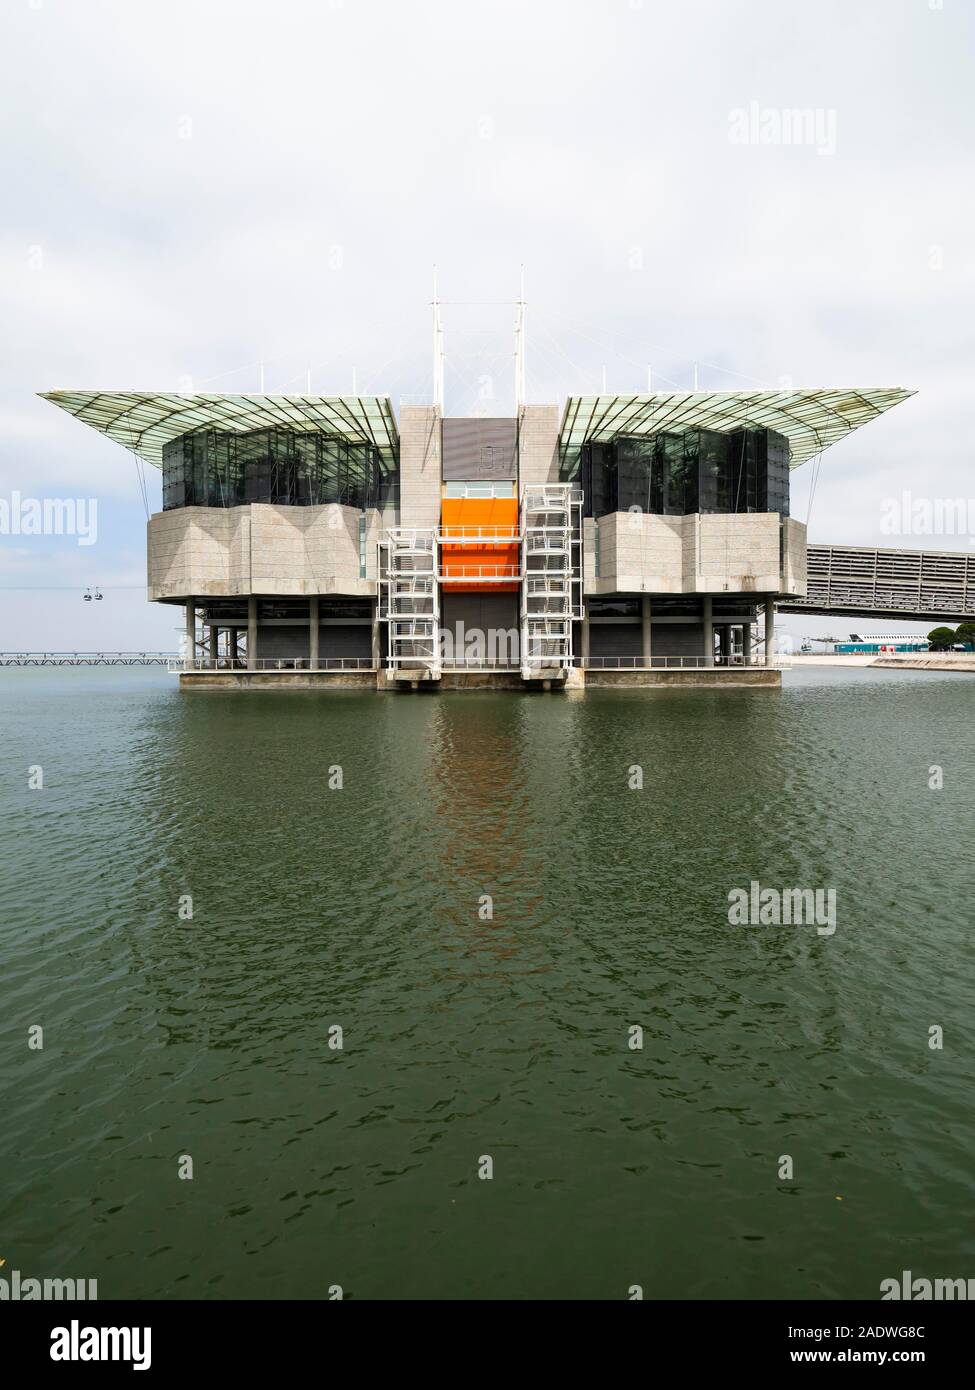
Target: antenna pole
(520, 327)
(437, 347)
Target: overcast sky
(192, 187)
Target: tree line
(942, 639)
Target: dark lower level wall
(626, 639)
(333, 640)
(615, 639)
(677, 639)
(483, 613)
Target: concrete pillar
(769, 631)
(190, 654)
(232, 643)
(251, 633)
(214, 638)
(708, 628)
(724, 643)
(646, 643)
(584, 634)
(377, 648)
(313, 632)
(746, 643)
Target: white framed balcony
(479, 535)
(480, 574)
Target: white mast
(437, 347)
(520, 324)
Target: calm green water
(464, 1037)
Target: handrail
(541, 543)
(646, 663)
(452, 573)
(273, 663)
(461, 535)
(553, 496)
(492, 663)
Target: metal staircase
(409, 599)
(551, 586)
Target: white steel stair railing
(409, 599)
(551, 588)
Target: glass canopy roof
(810, 420)
(144, 423)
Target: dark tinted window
(287, 467)
(677, 474)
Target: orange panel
(500, 513)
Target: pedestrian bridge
(910, 585)
(86, 658)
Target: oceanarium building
(616, 539)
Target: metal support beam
(708, 627)
(377, 648)
(189, 658)
(769, 631)
(251, 633)
(313, 632)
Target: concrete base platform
(574, 679)
(410, 675)
(277, 680)
(418, 678)
(729, 678)
(481, 680)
